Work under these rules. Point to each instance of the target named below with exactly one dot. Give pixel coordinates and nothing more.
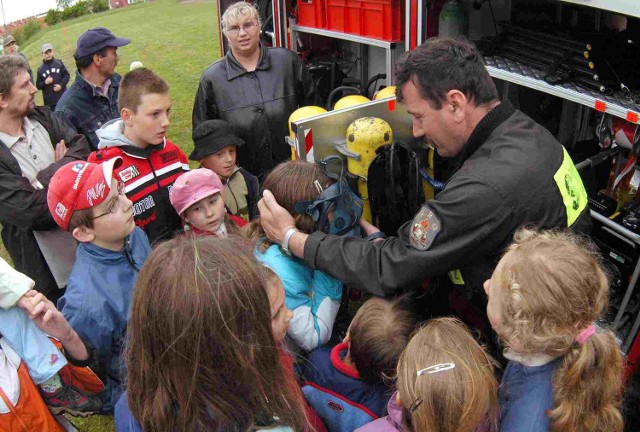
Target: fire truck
(572, 65)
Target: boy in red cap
(88, 200)
(150, 162)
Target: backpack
(395, 187)
(22, 409)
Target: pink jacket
(393, 422)
(390, 423)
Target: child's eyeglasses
(115, 203)
(247, 27)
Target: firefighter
(511, 172)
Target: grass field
(176, 40)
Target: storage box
(378, 19)
(311, 13)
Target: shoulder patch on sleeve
(424, 228)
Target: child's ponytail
(556, 288)
(587, 385)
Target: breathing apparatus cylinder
(385, 93)
(453, 20)
(302, 114)
(364, 136)
(349, 101)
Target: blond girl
(564, 372)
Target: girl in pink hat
(196, 197)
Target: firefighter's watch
(284, 247)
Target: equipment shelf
(388, 46)
(517, 73)
(625, 7)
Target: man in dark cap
(10, 47)
(92, 100)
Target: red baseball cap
(78, 186)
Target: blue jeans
(40, 355)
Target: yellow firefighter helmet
(301, 114)
(385, 93)
(349, 101)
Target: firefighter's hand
(49, 80)
(368, 228)
(57, 87)
(275, 220)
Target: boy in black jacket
(53, 77)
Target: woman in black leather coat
(255, 89)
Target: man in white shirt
(33, 145)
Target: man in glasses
(255, 89)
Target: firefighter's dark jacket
(505, 180)
(257, 104)
(24, 208)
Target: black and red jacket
(148, 175)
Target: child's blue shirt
(313, 296)
(526, 393)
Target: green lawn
(177, 41)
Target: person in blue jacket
(349, 385)
(86, 200)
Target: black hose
(372, 80)
(341, 89)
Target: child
(346, 384)
(280, 317)
(564, 374)
(196, 197)
(201, 353)
(151, 163)
(445, 384)
(215, 147)
(313, 296)
(53, 77)
(87, 200)
(42, 358)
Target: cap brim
(200, 153)
(118, 42)
(109, 166)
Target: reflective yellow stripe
(456, 277)
(571, 188)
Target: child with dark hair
(350, 384)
